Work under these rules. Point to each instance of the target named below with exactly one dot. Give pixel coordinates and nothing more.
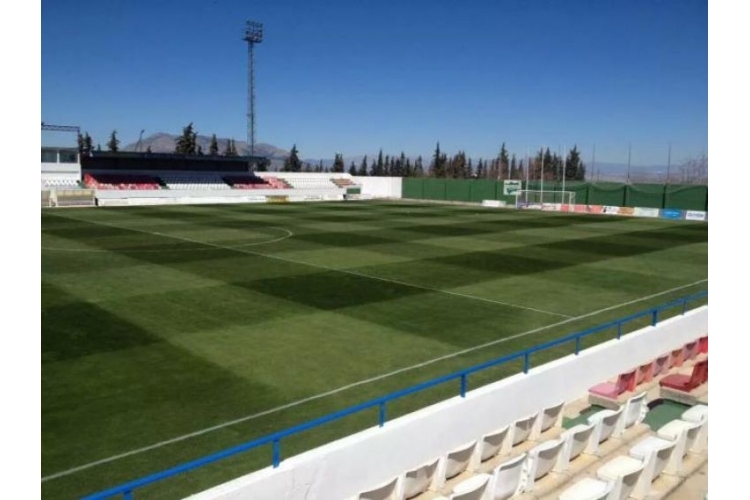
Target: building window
(49, 156)
(68, 156)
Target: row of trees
(458, 166)
(187, 144)
(86, 144)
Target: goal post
(545, 200)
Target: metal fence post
(381, 414)
(276, 452)
(463, 385)
(526, 362)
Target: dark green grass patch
(148, 337)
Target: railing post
(578, 345)
(381, 414)
(463, 385)
(684, 307)
(526, 362)
(619, 330)
(127, 494)
(276, 453)
(654, 317)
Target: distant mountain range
(162, 142)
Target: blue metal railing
(126, 490)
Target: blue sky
(356, 76)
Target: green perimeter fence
(682, 197)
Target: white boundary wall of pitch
(379, 187)
(364, 460)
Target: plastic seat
(474, 488)
(605, 422)
(661, 365)
(687, 383)
(457, 460)
(588, 489)
(644, 373)
(521, 430)
(625, 474)
(685, 435)
(418, 480)
(492, 443)
(576, 441)
(387, 491)
(507, 477)
(548, 418)
(698, 414)
(703, 345)
(625, 382)
(634, 412)
(542, 458)
(657, 456)
(691, 350)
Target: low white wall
(53, 169)
(114, 197)
(380, 187)
(361, 461)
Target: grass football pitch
(169, 333)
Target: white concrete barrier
(342, 468)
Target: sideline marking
(201, 248)
(355, 384)
(318, 266)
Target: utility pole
(628, 181)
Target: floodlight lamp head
(253, 32)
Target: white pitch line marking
(201, 248)
(318, 266)
(343, 388)
(207, 430)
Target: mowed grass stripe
(356, 384)
(328, 268)
(221, 282)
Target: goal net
(545, 200)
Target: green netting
(601, 193)
(412, 188)
(687, 197)
(434, 189)
(457, 190)
(483, 190)
(644, 195)
(607, 196)
(582, 193)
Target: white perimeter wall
(126, 197)
(364, 460)
(380, 187)
(58, 170)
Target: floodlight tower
(253, 34)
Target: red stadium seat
(687, 383)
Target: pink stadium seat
(687, 383)
(661, 364)
(691, 350)
(677, 357)
(645, 373)
(703, 343)
(625, 382)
